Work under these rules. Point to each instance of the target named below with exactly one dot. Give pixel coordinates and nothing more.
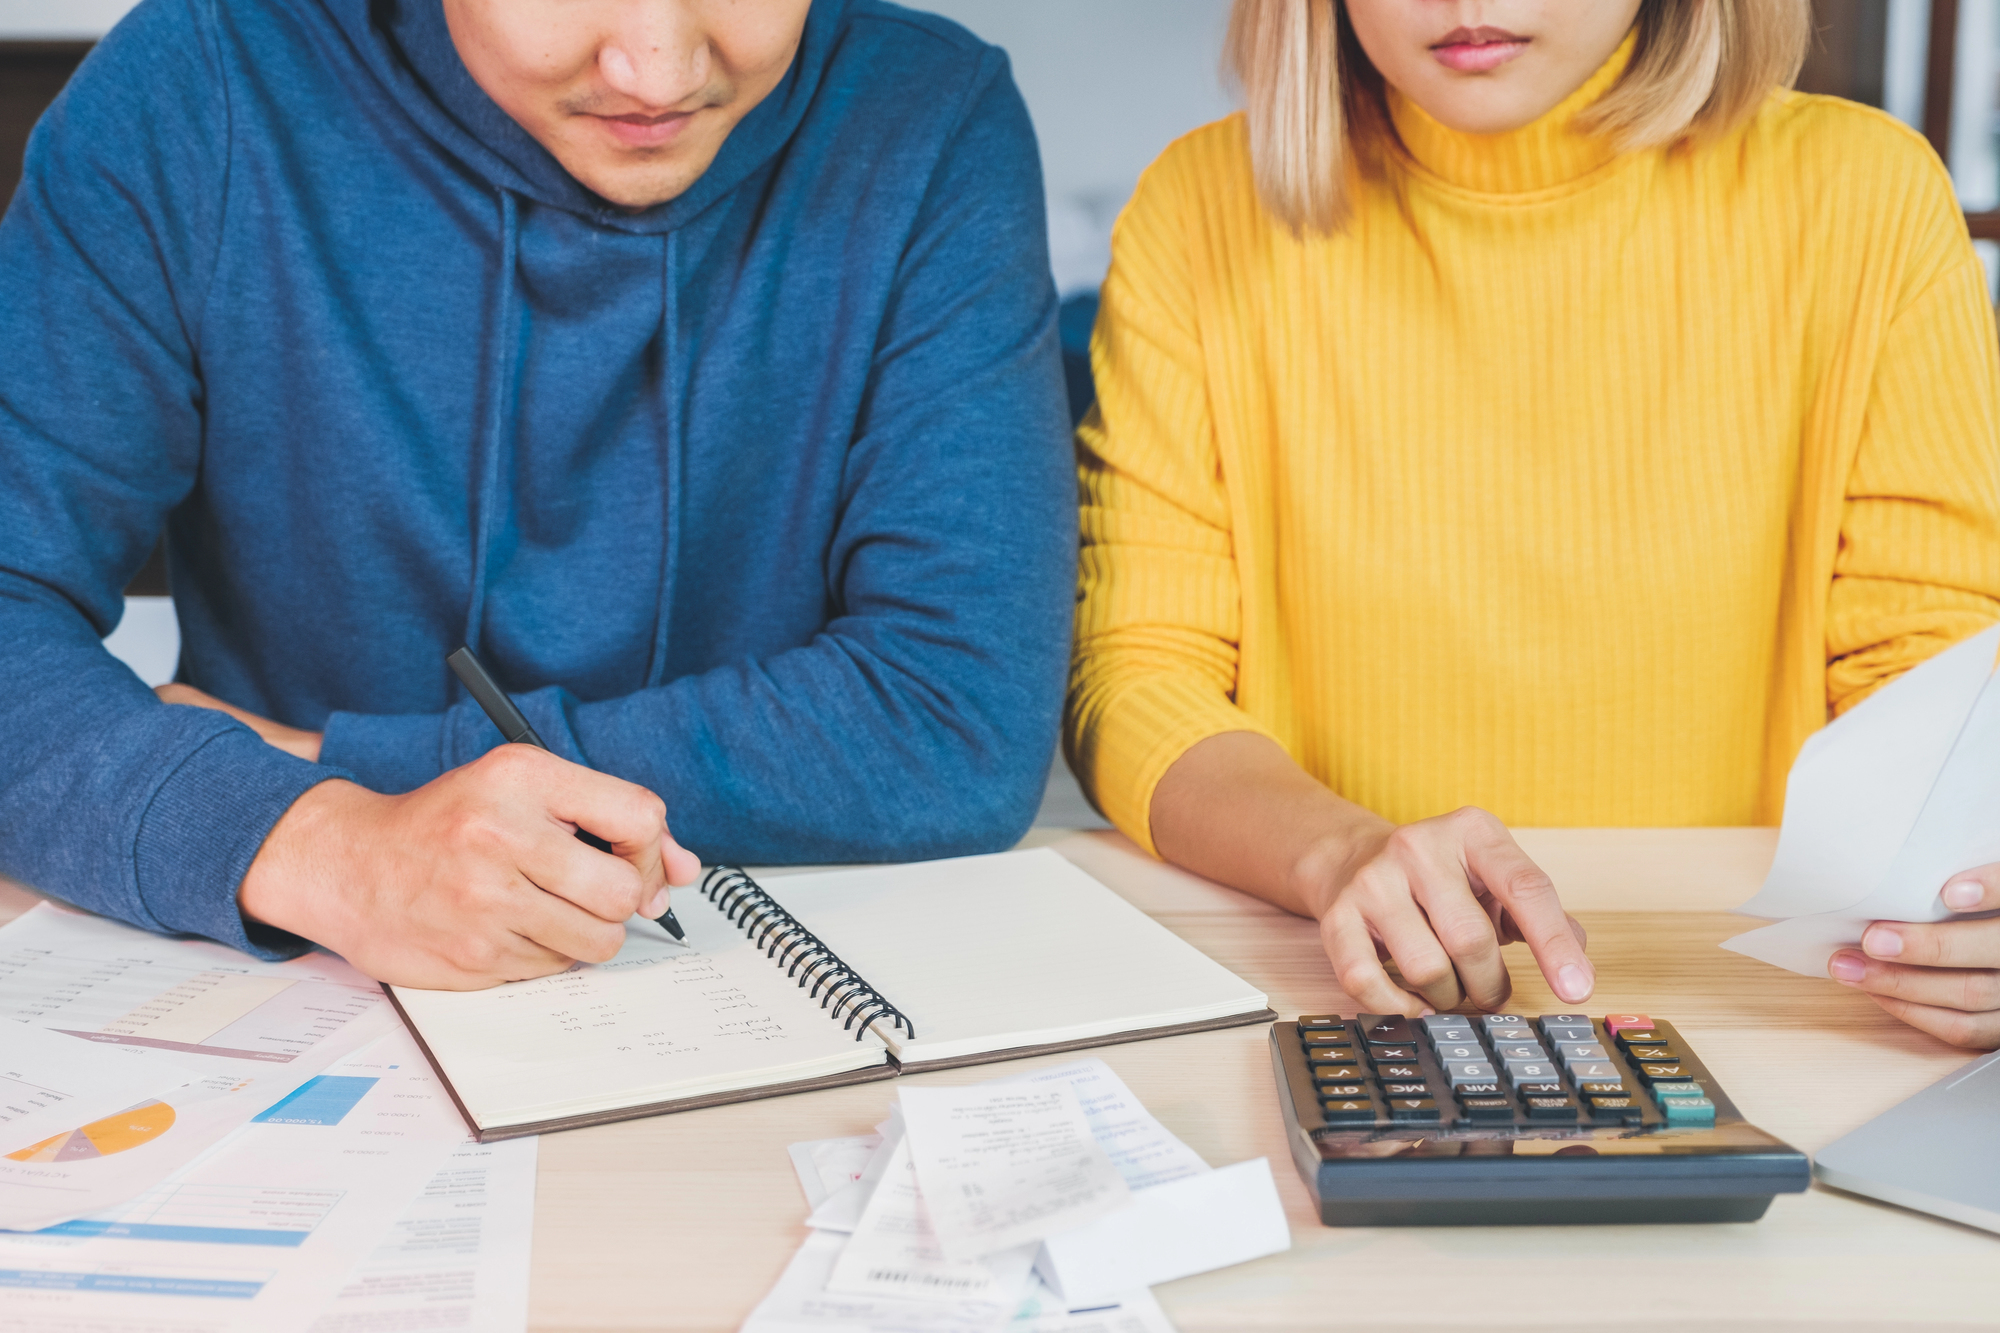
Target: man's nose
(656, 58)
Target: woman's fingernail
(1882, 942)
(1573, 983)
(1847, 967)
(656, 906)
(1427, 1012)
(1963, 894)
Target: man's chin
(637, 185)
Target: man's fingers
(1496, 864)
(1972, 989)
(606, 886)
(1937, 944)
(625, 815)
(1351, 950)
(561, 927)
(1978, 1032)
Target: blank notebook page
(987, 953)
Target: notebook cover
(605, 1117)
(1083, 1043)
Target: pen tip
(672, 927)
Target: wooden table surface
(682, 1222)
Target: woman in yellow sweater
(1530, 412)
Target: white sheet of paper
(253, 1032)
(894, 1252)
(1858, 785)
(1143, 1150)
(458, 1257)
(51, 1082)
(1005, 1164)
(1187, 1226)
(827, 1166)
(801, 1303)
(1882, 807)
(842, 1208)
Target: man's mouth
(637, 130)
(1478, 50)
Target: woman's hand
(1440, 897)
(304, 744)
(1942, 977)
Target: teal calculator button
(1688, 1110)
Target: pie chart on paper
(130, 1128)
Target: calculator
(1487, 1119)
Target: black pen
(500, 709)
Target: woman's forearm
(1237, 809)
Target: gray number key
(1470, 1050)
(1531, 1071)
(1519, 1050)
(1571, 1051)
(1468, 1071)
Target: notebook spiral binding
(819, 971)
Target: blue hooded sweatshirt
(761, 498)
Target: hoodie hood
(408, 47)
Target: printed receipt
(894, 1252)
(1003, 1165)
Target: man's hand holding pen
(470, 880)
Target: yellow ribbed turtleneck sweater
(1574, 484)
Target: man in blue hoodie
(694, 361)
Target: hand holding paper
(1891, 835)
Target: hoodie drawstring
(672, 386)
(491, 444)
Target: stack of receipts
(1046, 1202)
(1881, 808)
(193, 1141)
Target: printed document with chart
(354, 1205)
(232, 1034)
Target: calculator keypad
(1496, 1069)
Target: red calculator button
(1618, 1022)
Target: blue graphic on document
(323, 1100)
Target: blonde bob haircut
(1317, 116)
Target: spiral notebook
(821, 979)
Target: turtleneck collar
(1541, 155)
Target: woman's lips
(1478, 50)
(646, 131)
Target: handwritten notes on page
(1001, 1165)
(662, 1020)
(1882, 807)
